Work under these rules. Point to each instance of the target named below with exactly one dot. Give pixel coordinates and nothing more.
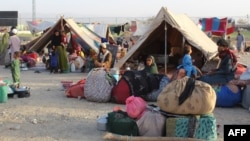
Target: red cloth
(120, 92)
(76, 90)
(240, 69)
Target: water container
(3, 93)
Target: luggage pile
(184, 110)
(146, 122)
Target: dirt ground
(48, 115)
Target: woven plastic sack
(135, 106)
(97, 88)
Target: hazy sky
(127, 8)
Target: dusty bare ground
(48, 115)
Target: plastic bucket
(3, 94)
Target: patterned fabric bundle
(98, 87)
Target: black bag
(22, 92)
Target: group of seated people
(223, 79)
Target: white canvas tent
(103, 30)
(178, 27)
(88, 38)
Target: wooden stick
(116, 137)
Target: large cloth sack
(201, 101)
(151, 124)
(98, 87)
(120, 92)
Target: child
(187, 63)
(53, 62)
(15, 69)
(151, 66)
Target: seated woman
(227, 67)
(151, 66)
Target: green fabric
(206, 129)
(3, 94)
(182, 127)
(62, 59)
(15, 70)
(120, 123)
(203, 128)
(5, 42)
(152, 68)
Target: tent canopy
(178, 28)
(87, 38)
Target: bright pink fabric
(135, 106)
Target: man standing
(240, 42)
(14, 43)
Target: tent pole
(166, 58)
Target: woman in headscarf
(151, 66)
(56, 42)
(4, 45)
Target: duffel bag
(119, 122)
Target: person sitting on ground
(151, 66)
(187, 62)
(226, 70)
(104, 57)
